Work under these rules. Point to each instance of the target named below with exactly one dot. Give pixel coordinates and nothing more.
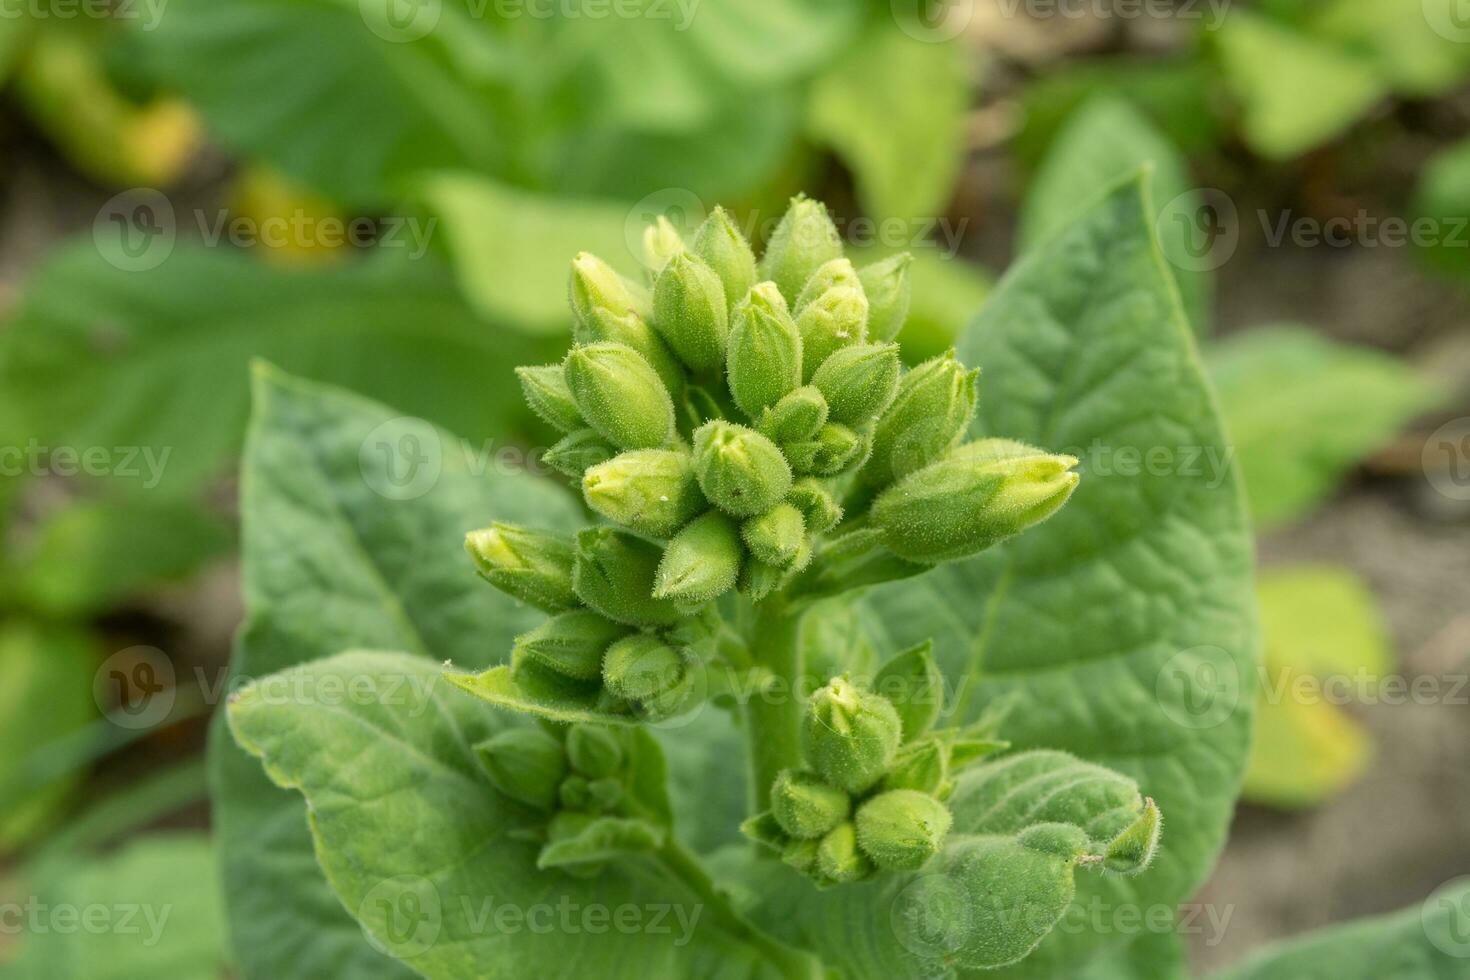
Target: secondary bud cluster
(722, 417)
(575, 775)
(871, 795)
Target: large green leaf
(1104, 141)
(150, 366)
(1124, 627)
(410, 825)
(346, 546)
(1302, 410)
(996, 889)
(893, 107)
(1431, 942)
(157, 904)
(46, 696)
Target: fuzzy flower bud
(620, 395)
(649, 674)
(902, 828)
(763, 361)
(830, 318)
(701, 563)
(632, 330)
(721, 244)
(741, 471)
(833, 449)
(796, 417)
(661, 242)
(805, 807)
(547, 393)
(526, 764)
(977, 496)
(819, 509)
(804, 240)
(570, 644)
(852, 735)
(595, 285)
(933, 408)
(690, 312)
(775, 537)
(532, 566)
(573, 454)
(651, 491)
(888, 286)
(759, 579)
(838, 858)
(594, 751)
(613, 573)
(859, 382)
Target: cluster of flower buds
(877, 773)
(579, 780)
(719, 417)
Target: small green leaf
(602, 839)
(913, 683)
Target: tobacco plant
(777, 683)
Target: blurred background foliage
(481, 149)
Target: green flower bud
(902, 828)
(594, 751)
(595, 285)
(796, 417)
(1133, 850)
(701, 563)
(526, 764)
(572, 455)
(859, 382)
(740, 471)
(632, 330)
(933, 408)
(838, 859)
(851, 735)
(573, 793)
(832, 450)
(831, 321)
(977, 496)
(804, 240)
(806, 807)
(721, 244)
(614, 573)
(649, 674)
(690, 313)
(620, 395)
(652, 491)
(819, 509)
(775, 537)
(763, 361)
(570, 644)
(801, 855)
(547, 393)
(604, 795)
(532, 566)
(888, 286)
(759, 579)
(837, 273)
(921, 766)
(661, 242)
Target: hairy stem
(773, 713)
(792, 964)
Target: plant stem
(773, 714)
(792, 963)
